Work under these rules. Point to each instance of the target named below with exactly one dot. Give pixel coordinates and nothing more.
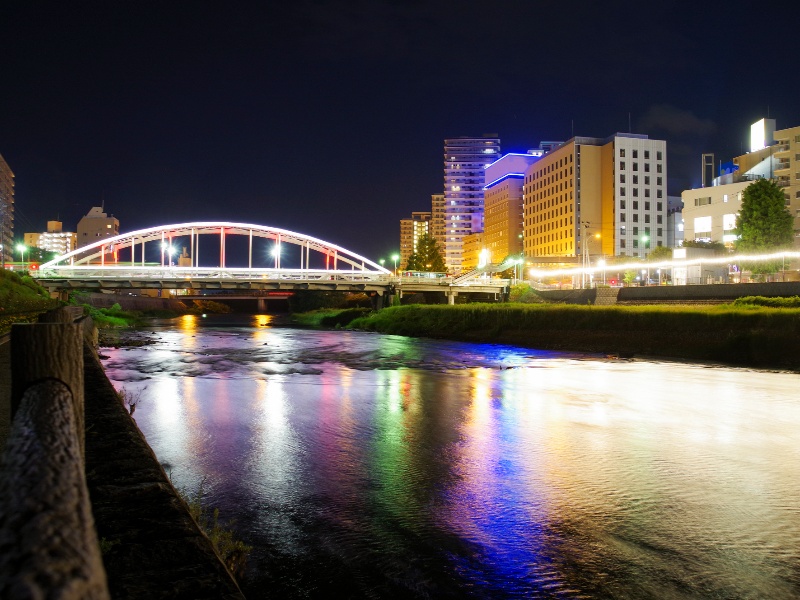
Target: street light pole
(395, 258)
(22, 248)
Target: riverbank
(754, 336)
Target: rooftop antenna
(572, 124)
(103, 201)
(629, 123)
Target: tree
(718, 247)
(427, 257)
(659, 254)
(763, 223)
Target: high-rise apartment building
(410, 231)
(95, 226)
(437, 219)
(6, 212)
(465, 159)
(54, 239)
(609, 194)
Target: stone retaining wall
(155, 549)
(673, 294)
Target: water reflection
(378, 466)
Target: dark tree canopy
(717, 247)
(763, 223)
(427, 257)
(660, 253)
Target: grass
(21, 299)
(232, 551)
(329, 317)
(746, 334)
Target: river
(362, 465)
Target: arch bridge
(233, 256)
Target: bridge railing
(47, 535)
(157, 272)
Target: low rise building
(54, 239)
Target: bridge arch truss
(314, 253)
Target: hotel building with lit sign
(610, 193)
(502, 212)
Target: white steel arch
(95, 254)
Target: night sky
(328, 118)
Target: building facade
(709, 214)
(465, 161)
(410, 231)
(502, 213)
(6, 212)
(787, 171)
(607, 193)
(96, 225)
(475, 253)
(54, 239)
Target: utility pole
(584, 251)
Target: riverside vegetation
(754, 331)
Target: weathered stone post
(48, 543)
(48, 351)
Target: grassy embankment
(22, 300)
(754, 332)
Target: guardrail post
(42, 351)
(48, 543)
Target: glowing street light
(21, 248)
(276, 253)
(395, 258)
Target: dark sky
(328, 117)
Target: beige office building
(709, 214)
(410, 231)
(609, 193)
(96, 225)
(787, 171)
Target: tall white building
(465, 159)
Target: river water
(371, 466)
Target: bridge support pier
(451, 297)
(262, 305)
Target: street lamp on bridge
(21, 248)
(395, 258)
